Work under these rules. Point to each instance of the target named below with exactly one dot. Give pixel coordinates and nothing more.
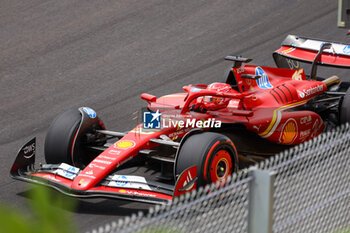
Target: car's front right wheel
(65, 142)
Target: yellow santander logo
(289, 132)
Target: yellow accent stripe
(287, 50)
(274, 117)
(141, 130)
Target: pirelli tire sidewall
(345, 108)
(60, 135)
(66, 136)
(201, 149)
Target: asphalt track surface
(55, 55)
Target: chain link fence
(304, 189)
(312, 185)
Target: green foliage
(343, 230)
(48, 214)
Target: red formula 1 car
(199, 136)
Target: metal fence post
(261, 188)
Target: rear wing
(237, 61)
(294, 49)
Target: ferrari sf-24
(199, 136)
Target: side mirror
(149, 98)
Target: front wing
(135, 188)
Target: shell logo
(122, 191)
(289, 132)
(125, 144)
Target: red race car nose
(81, 183)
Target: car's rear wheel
(345, 108)
(214, 155)
(65, 144)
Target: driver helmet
(215, 102)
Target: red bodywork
(262, 111)
(267, 105)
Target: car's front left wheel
(214, 155)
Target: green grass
(48, 214)
(343, 230)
